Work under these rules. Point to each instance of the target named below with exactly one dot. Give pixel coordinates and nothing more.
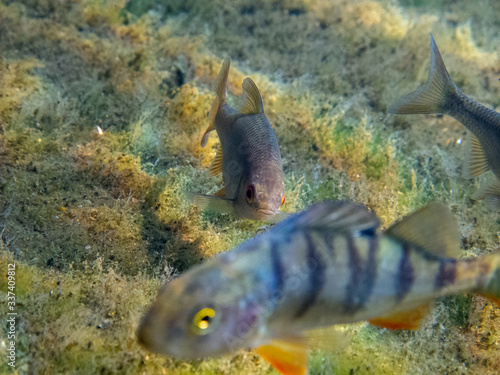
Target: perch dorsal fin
(251, 101)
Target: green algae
(97, 222)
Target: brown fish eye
(250, 193)
(283, 200)
(203, 321)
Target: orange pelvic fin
(289, 356)
(403, 319)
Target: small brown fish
(249, 157)
(441, 95)
(326, 265)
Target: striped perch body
(326, 265)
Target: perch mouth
(265, 212)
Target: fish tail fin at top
(220, 98)
(432, 96)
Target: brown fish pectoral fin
(475, 160)
(216, 166)
(218, 204)
(288, 356)
(410, 319)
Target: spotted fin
(431, 97)
(251, 101)
(475, 161)
(216, 166)
(335, 216)
(289, 357)
(411, 319)
(218, 204)
(432, 228)
(491, 194)
(220, 99)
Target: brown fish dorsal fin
(491, 194)
(216, 166)
(220, 193)
(250, 102)
(411, 319)
(335, 216)
(475, 161)
(288, 356)
(432, 228)
(220, 99)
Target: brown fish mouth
(267, 212)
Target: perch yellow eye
(203, 320)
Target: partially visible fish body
(441, 95)
(249, 157)
(327, 265)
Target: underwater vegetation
(96, 223)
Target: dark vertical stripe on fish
(330, 248)
(356, 269)
(405, 276)
(363, 277)
(447, 273)
(278, 271)
(370, 272)
(316, 271)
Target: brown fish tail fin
(432, 96)
(220, 99)
(491, 194)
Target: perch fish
(249, 156)
(326, 265)
(441, 95)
